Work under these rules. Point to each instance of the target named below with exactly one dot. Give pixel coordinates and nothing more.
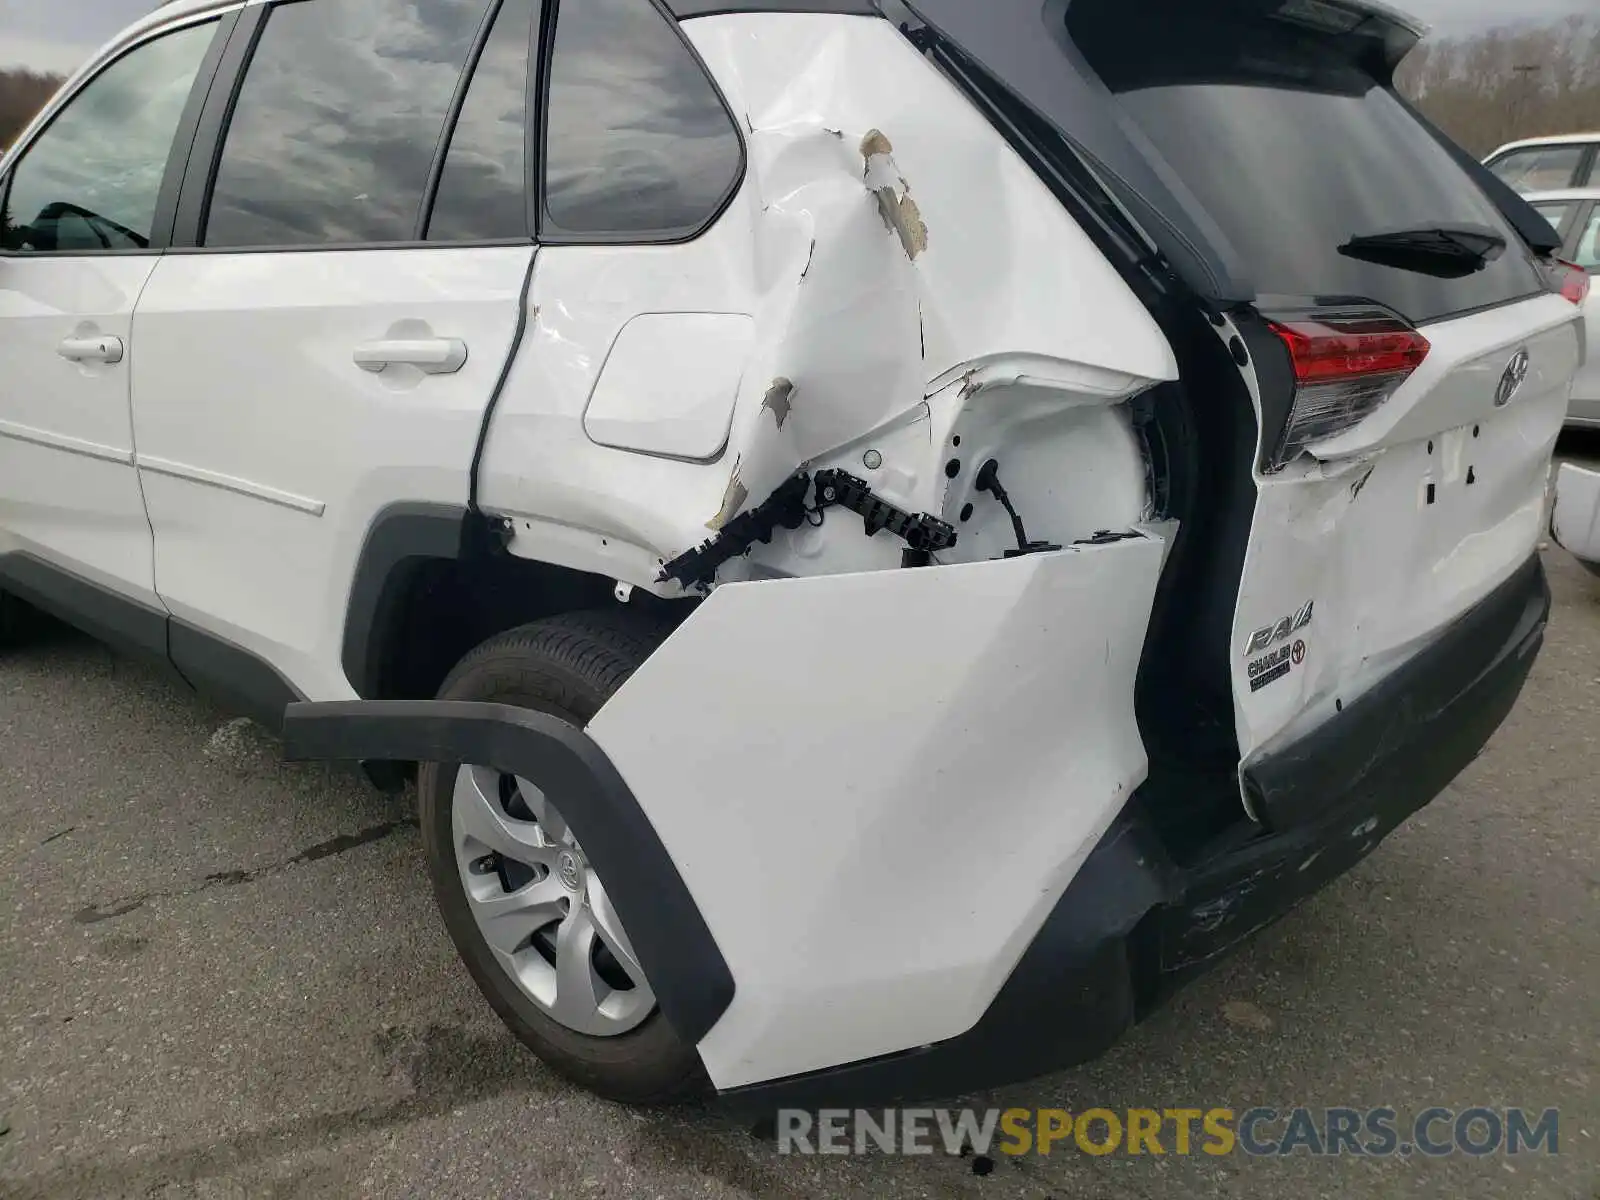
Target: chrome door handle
(105, 349)
(431, 356)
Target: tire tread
(567, 665)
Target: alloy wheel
(542, 909)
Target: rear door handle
(105, 349)
(431, 356)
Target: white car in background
(1575, 215)
(1541, 164)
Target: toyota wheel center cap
(569, 867)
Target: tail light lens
(1345, 366)
(1571, 280)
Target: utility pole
(1519, 100)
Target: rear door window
(337, 121)
(1293, 150)
(1540, 168)
(483, 186)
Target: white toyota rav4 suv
(897, 532)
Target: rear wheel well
(437, 610)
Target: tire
(567, 667)
(16, 621)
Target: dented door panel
(910, 282)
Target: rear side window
(483, 187)
(337, 121)
(1293, 150)
(1539, 168)
(1588, 255)
(640, 146)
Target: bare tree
(1505, 84)
(22, 94)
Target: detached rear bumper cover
(1132, 925)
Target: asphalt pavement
(221, 975)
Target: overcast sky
(56, 35)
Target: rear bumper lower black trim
(686, 970)
(1427, 718)
(1133, 925)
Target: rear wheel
(532, 919)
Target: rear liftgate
(1405, 352)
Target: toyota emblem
(1512, 379)
(569, 869)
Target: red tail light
(1345, 366)
(1571, 280)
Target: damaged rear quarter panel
(886, 242)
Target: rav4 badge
(1268, 634)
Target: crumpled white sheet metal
(898, 259)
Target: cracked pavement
(223, 976)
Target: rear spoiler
(1024, 46)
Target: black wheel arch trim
(400, 538)
(680, 957)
